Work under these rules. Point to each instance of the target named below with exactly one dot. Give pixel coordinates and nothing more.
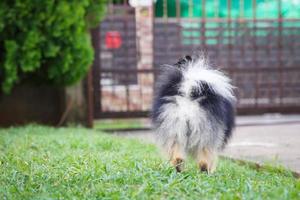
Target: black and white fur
(193, 112)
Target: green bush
(46, 41)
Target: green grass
(118, 124)
(39, 162)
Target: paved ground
(274, 139)
(272, 143)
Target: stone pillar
(144, 27)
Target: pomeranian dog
(193, 112)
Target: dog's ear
(183, 61)
(188, 58)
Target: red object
(113, 40)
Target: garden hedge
(46, 42)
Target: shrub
(46, 41)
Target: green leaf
(46, 41)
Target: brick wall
(135, 96)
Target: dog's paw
(205, 167)
(178, 163)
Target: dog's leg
(207, 160)
(177, 157)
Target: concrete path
(275, 141)
(278, 144)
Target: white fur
(174, 126)
(185, 113)
(200, 70)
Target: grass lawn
(118, 124)
(38, 162)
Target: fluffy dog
(193, 112)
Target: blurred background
(47, 47)
(256, 42)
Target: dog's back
(193, 108)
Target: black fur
(220, 109)
(166, 86)
(183, 61)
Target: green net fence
(262, 10)
(219, 8)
